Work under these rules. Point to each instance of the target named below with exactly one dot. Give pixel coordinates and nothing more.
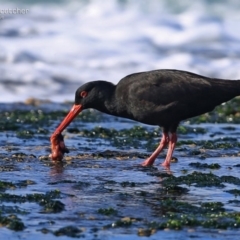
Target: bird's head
(89, 95)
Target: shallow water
(100, 191)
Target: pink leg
(171, 146)
(164, 141)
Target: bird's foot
(166, 164)
(147, 162)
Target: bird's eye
(83, 94)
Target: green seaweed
(198, 179)
(188, 130)
(235, 192)
(207, 215)
(70, 231)
(25, 134)
(12, 222)
(213, 207)
(52, 206)
(126, 222)
(6, 185)
(230, 179)
(205, 165)
(45, 200)
(107, 211)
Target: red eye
(83, 94)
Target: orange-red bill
(76, 109)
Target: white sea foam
(53, 49)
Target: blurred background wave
(57, 45)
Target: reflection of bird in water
(57, 169)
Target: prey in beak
(58, 147)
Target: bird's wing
(167, 86)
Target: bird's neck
(113, 103)
(106, 98)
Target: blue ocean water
(49, 48)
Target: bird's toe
(147, 162)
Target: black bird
(160, 97)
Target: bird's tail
(224, 90)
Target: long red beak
(76, 109)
